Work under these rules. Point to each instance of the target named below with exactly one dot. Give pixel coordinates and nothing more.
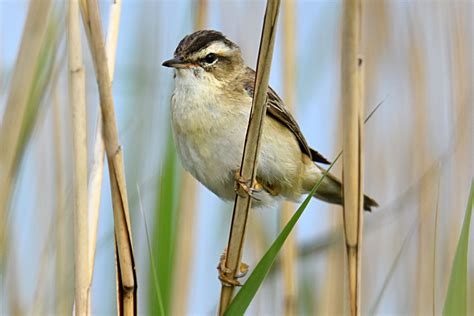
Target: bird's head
(206, 55)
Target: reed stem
(77, 101)
(126, 277)
(249, 159)
(352, 92)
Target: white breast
(209, 137)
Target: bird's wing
(277, 110)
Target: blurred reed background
(418, 158)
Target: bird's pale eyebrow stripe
(218, 48)
(201, 39)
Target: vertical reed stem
(352, 92)
(252, 140)
(289, 251)
(97, 167)
(77, 100)
(126, 277)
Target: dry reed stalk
(126, 278)
(184, 245)
(352, 96)
(77, 100)
(85, 17)
(14, 287)
(289, 258)
(329, 300)
(15, 110)
(249, 158)
(112, 35)
(186, 214)
(201, 14)
(41, 294)
(255, 232)
(97, 167)
(424, 264)
(289, 252)
(62, 303)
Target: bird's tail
(330, 190)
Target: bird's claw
(245, 187)
(224, 271)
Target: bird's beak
(176, 63)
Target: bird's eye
(210, 58)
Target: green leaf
(456, 298)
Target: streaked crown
(201, 41)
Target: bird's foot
(245, 187)
(224, 271)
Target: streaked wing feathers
(277, 110)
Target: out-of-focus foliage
(44, 76)
(456, 298)
(164, 228)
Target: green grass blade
(163, 240)
(456, 298)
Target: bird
(210, 108)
